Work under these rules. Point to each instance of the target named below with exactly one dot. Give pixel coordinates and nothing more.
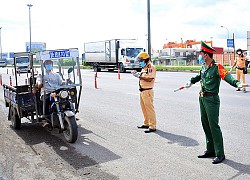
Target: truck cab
(22, 64)
(3, 63)
(127, 58)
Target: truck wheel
(96, 68)
(15, 120)
(122, 69)
(70, 132)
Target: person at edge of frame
(146, 83)
(210, 76)
(241, 68)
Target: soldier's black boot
(207, 155)
(218, 159)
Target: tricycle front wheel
(70, 133)
(15, 120)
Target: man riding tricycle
(53, 96)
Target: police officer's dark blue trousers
(209, 109)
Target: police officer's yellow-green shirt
(240, 62)
(150, 71)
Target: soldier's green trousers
(209, 109)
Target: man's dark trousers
(209, 109)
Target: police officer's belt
(240, 68)
(144, 89)
(204, 94)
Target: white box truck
(247, 55)
(23, 63)
(113, 54)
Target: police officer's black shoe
(143, 127)
(150, 130)
(218, 159)
(237, 89)
(207, 155)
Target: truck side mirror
(123, 52)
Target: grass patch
(177, 68)
(182, 68)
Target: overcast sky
(69, 24)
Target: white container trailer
(113, 54)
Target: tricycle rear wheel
(70, 133)
(15, 120)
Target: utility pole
(1, 43)
(234, 47)
(227, 47)
(149, 33)
(30, 5)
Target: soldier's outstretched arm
(225, 75)
(243, 85)
(196, 79)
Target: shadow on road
(34, 134)
(100, 153)
(241, 168)
(180, 140)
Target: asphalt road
(111, 143)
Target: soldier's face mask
(201, 60)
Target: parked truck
(23, 64)
(113, 54)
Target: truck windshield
(133, 52)
(22, 60)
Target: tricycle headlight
(64, 94)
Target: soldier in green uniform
(210, 76)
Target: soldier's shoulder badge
(222, 71)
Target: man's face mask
(143, 64)
(48, 67)
(201, 60)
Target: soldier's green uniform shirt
(210, 78)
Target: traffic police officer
(240, 64)
(146, 84)
(210, 76)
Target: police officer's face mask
(143, 64)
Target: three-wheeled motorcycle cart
(26, 100)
